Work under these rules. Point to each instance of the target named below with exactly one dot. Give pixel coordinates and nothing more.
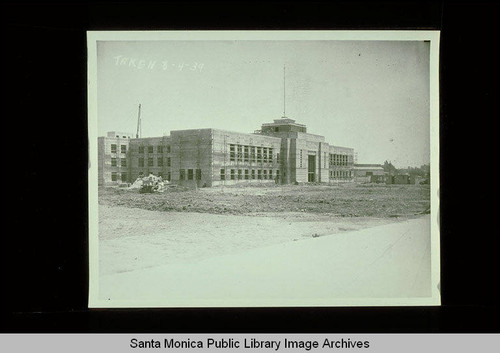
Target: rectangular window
(232, 153)
(160, 149)
(259, 174)
(113, 161)
(232, 174)
(141, 149)
(253, 174)
(265, 174)
(300, 162)
(259, 155)
(168, 176)
(277, 157)
(198, 174)
(150, 149)
(222, 174)
(124, 177)
(168, 148)
(141, 162)
(240, 153)
(113, 148)
(168, 161)
(123, 148)
(246, 157)
(190, 174)
(246, 174)
(182, 174)
(113, 176)
(264, 152)
(150, 162)
(278, 174)
(160, 161)
(270, 174)
(240, 174)
(123, 162)
(252, 153)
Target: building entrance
(311, 168)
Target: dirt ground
(133, 239)
(252, 261)
(140, 231)
(344, 200)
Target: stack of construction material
(149, 184)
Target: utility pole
(138, 123)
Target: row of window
(159, 162)
(190, 174)
(114, 176)
(339, 174)
(114, 148)
(248, 174)
(339, 159)
(242, 153)
(150, 149)
(123, 162)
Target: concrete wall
(341, 164)
(191, 150)
(199, 155)
(106, 157)
(237, 154)
(154, 153)
(364, 172)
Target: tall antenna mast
(284, 88)
(139, 129)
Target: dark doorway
(311, 168)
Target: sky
(372, 96)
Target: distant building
(369, 173)
(401, 179)
(280, 152)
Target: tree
(389, 168)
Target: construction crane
(138, 123)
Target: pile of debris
(150, 184)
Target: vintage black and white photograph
(263, 169)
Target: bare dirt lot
(344, 200)
(145, 230)
(162, 232)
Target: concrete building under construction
(280, 152)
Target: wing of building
(280, 152)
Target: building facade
(280, 152)
(370, 173)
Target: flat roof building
(280, 152)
